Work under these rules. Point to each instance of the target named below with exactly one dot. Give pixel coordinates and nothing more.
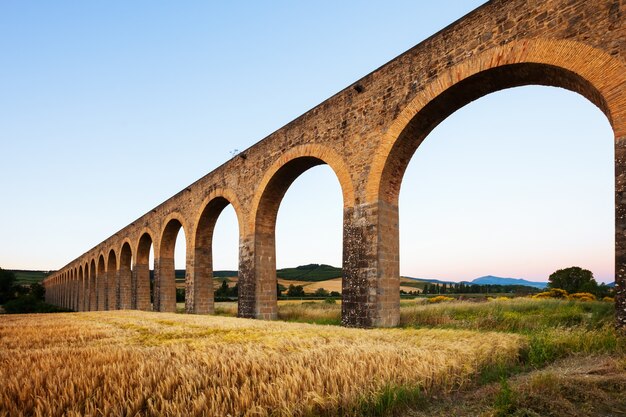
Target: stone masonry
(366, 133)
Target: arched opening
(216, 249)
(101, 285)
(125, 277)
(265, 231)
(141, 274)
(165, 283)
(81, 289)
(112, 281)
(422, 122)
(522, 195)
(93, 306)
(309, 235)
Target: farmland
(140, 363)
(149, 364)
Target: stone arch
(92, 286)
(259, 288)
(101, 283)
(567, 64)
(165, 280)
(125, 275)
(81, 288)
(141, 272)
(76, 287)
(201, 294)
(112, 280)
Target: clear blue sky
(109, 108)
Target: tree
(321, 292)
(295, 291)
(7, 281)
(38, 291)
(573, 279)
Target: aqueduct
(367, 133)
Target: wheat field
(157, 364)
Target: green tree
(295, 291)
(321, 292)
(38, 291)
(7, 289)
(573, 279)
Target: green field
(23, 277)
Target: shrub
(440, 299)
(552, 293)
(582, 296)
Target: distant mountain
(612, 284)
(490, 279)
(430, 280)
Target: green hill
(311, 272)
(24, 277)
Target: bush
(608, 299)
(582, 296)
(552, 293)
(30, 304)
(440, 299)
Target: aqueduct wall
(367, 134)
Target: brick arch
(165, 280)
(200, 293)
(76, 288)
(112, 284)
(92, 286)
(290, 165)
(258, 288)
(101, 282)
(140, 291)
(81, 288)
(568, 64)
(125, 274)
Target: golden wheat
(155, 364)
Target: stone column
(266, 307)
(101, 289)
(201, 287)
(124, 288)
(92, 292)
(164, 285)
(247, 279)
(141, 287)
(371, 282)
(620, 233)
(112, 289)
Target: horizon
(519, 182)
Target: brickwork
(367, 134)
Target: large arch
(92, 286)
(257, 281)
(141, 273)
(125, 276)
(567, 64)
(164, 275)
(201, 294)
(101, 284)
(81, 289)
(112, 281)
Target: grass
(502, 357)
(141, 363)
